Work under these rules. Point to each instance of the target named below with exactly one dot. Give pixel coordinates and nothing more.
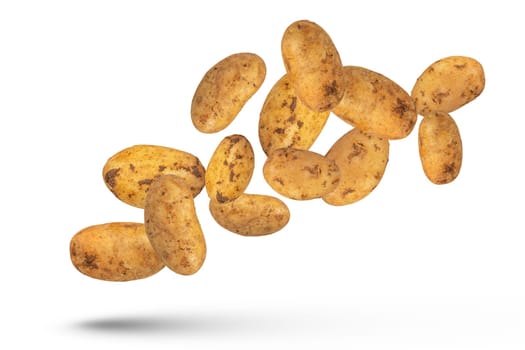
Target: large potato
(251, 214)
(376, 104)
(448, 84)
(362, 160)
(285, 121)
(300, 174)
(225, 89)
(115, 251)
(172, 225)
(440, 147)
(313, 64)
(230, 168)
(129, 173)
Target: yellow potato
(172, 225)
(448, 84)
(313, 64)
(251, 214)
(230, 169)
(115, 251)
(300, 174)
(129, 173)
(286, 122)
(362, 160)
(225, 89)
(440, 147)
(376, 104)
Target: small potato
(376, 104)
(448, 84)
(440, 147)
(225, 89)
(115, 251)
(129, 173)
(286, 122)
(313, 64)
(172, 225)
(251, 214)
(230, 169)
(300, 174)
(362, 160)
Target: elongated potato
(129, 173)
(313, 64)
(362, 160)
(251, 214)
(376, 104)
(448, 84)
(230, 168)
(440, 147)
(285, 121)
(115, 251)
(172, 225)
(225, 89)
(300, 174)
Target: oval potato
(313, 64)
(251, 214)
(224, 90)
(440, 147)
(448, 84)
(129, 172)
(300, 174)
(376, 104)
(362, 159)
(115, 251)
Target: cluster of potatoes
(164, 181)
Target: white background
(412, 266)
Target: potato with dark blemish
(362, 159)
(224, 90)
(285, 121)
(300, 174)
(313, 64)
(440, 147)
(230, 168)
(115, 251)
(376, 104)
(172, 225)
(448, 84)
(130, 172)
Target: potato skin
(448, 84)
(285, 121)
(300, 174)
(115, 251)
(129, 173)
(172, 225)
(440, 147)
(224, 90)
(230, 168)
(251, 214)
(313, 64)
(362, 159)
(376, 104)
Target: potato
(251, 214)
(440, 147)
(448, 84)
(313, 64)
(230, 169)
(115, 251)
(129, 173)
(376, 104)
(300, 174)
(225, 89)
(285, 121)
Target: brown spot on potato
(90, 261)
(111, 177)
(145, 182)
